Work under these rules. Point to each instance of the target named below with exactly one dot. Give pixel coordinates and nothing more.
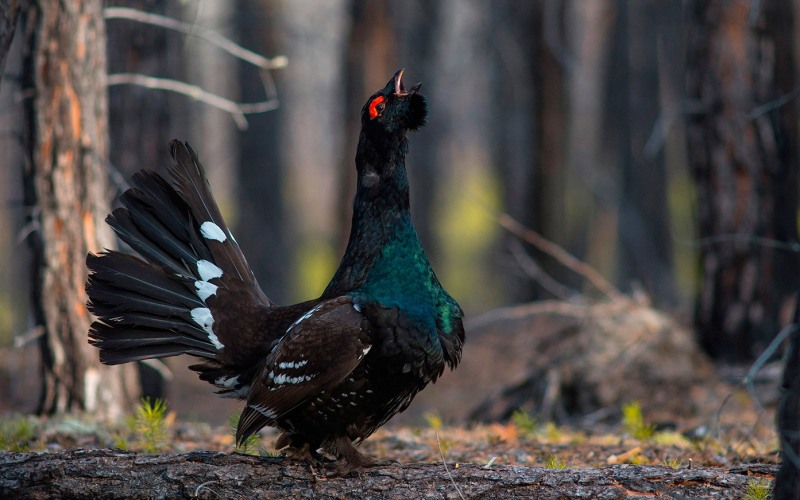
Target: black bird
(327, 372)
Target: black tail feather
(176, 298)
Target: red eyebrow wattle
(373, 111)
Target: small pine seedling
(673, 463)
(526, 424)
(250, 445)
(633, 421)
(758, 489)
(151, 424)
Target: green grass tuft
(17, 434)
(525, 423)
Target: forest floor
(747, 437)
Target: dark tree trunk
(260, 229)
(742, 145)
(545, 205)
(9, 10)
(65, 188)
(787, 484)
(139, 128)
(645, 246)
(370, 60)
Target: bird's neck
(381, 211)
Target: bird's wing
(317, 353)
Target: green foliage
(17, 434)
(554, 462)
(673, 463)
(633, 421)
(758, 489)
(525, 423)
(151, 424)
(250, 445)
(434, 421)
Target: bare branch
(565, 258)
(237, 110)
(212, 37)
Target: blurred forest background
(654, 140)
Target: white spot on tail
(211, 231)
(202, 316)
(205, 289)
(292, 364)
(208, 270)
(227, 382)
(365, 351)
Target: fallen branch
(110, 473)
(562, 256)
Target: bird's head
(393, 110)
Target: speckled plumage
(327, 372)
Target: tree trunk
(65, 189)
(644, 236)
(9, 10)
(261, 228)
(742, 144)
(787, 484)
(118, 474)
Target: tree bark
(742, 145)
(644, 237)
(9, 10)
(65, 189)
(118, 474)
(787, 484)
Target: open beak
(399, 90)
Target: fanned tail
(175, 298)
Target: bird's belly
(357, 407)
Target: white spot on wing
(305, 316)
(202, 316)
(267, 412)
(205, 289)
(211, 231)
(282, 378)
(208, 270)
(292, 364)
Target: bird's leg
(297, 447)
(349, 458)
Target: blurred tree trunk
(260, 227)
(9, 10)
(645, 244)
(787, 481)
(139, 128)
(140, 118)
(742, 144)
(65, 188)
(370, 61)
(546, 206)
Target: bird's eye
(376, 107)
